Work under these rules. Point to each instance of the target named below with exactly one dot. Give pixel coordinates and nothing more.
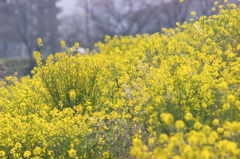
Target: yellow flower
(234, 5)
(220, 6)
(18, 145)
(226, 133)
(220, 130)
(27, 154)
(176, 157)
(167, 118)
(238, 47)
(2, 153)
(181, 0)
(70, 50)
(215, 122)
(72, 94)
(9, 78)
(40, 42)
(179, 124)
(231, 98)
(193, 13)
(226, 106)
(191, 20)
(37, 56)
(162, 138)
(137, 143)
(188, 116)
(223, 86)
(197, 125)
(76, 45)
(206, 129)
(135, 151)
(151, 141)
(231, 147)
(37, 151)
(145, 148)
(107, 37)
(72, 153)
(206, 154)
(105, 154)
(63, 44)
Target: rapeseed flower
(188, 116)
(163, 138)
(27, 154)
(106, 155)
(167, 118)
(40, 42)
(179, 124)
(72, 153)
(167, 95)
(63, 44)
(231, 98)
(37, 151)
(193, 13)
(2, 154)
(215, 122)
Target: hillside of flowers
(170, 95)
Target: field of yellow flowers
(172, 95)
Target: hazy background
(69, 7)
(22, 22)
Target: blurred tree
(7, 34)
(72, 30)
(174, 11)
(29, 20)
(97, 18)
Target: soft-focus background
(22, 22)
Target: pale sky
(69, 7)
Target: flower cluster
(201, 142)
(170, 95)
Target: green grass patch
(16, 64)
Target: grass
(16, 65)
